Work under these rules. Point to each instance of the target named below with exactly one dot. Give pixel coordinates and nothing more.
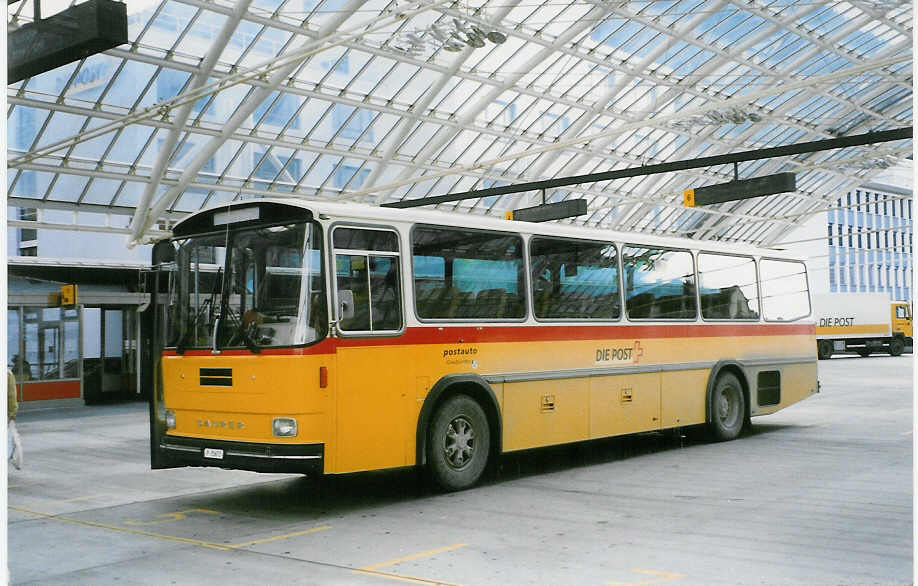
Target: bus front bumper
(257, 457)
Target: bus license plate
(213, 453)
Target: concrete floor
(820, 493)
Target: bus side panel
(798, 381)
(626, 403)
(376, 408)
(683, 395)
(543, 413)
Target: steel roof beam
(724, 55)
(662, 119)
(753, 155)
(292, 28)
(404, 128)
(287, 61)
(330, 37)
(242, 187)
(472, 111)
(181, 116)
(598, 109)
(90, 208)
(43, 225)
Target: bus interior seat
(490, 303)
(641, 306)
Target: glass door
(113, 331)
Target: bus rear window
(785, 294)
(466, 274)
(728, 287)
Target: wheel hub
(727, 407)
(459, 445)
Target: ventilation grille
(769, 387)
(216, 377)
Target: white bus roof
(365, 213)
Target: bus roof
(366, 213)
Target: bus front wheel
(728, 407)
(458, 443)
(896, 347)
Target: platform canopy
(215, 101)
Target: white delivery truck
(862, 323)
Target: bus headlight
(170, 419)
(284, 427)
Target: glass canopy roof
(214, 101)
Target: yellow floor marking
(367, 570)
(80, 498)
(907, 433)
(169, 517)
(413, 556)
(123, 530)
(410, 579)
(285, 536)
(198, 542)
(374, 569)
(663, 577)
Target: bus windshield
(252, 288)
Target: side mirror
(345, 304)
(163, 252)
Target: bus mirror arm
(214, 349)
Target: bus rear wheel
(824, 349)
(728, 407)
(896, 347)
(458, 443)
(864, 352)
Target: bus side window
(367, 280)
(467, 274)
(574, 279)
(728, 287)
(386, 306)
(659, 284)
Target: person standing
(14, 445)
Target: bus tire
(728, 408)
(824, 349)
(863, 352)
(458, 443)
(896, 347)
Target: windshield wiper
(239, 328)
(208, 305)
(192, 326)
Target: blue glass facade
(870, 243)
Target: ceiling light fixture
(450, 38)
(715, 117)
(881, 162)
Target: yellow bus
(335, 338)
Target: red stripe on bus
(542, 333)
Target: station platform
(818, 494)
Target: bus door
(164, 271)
(375, 397)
